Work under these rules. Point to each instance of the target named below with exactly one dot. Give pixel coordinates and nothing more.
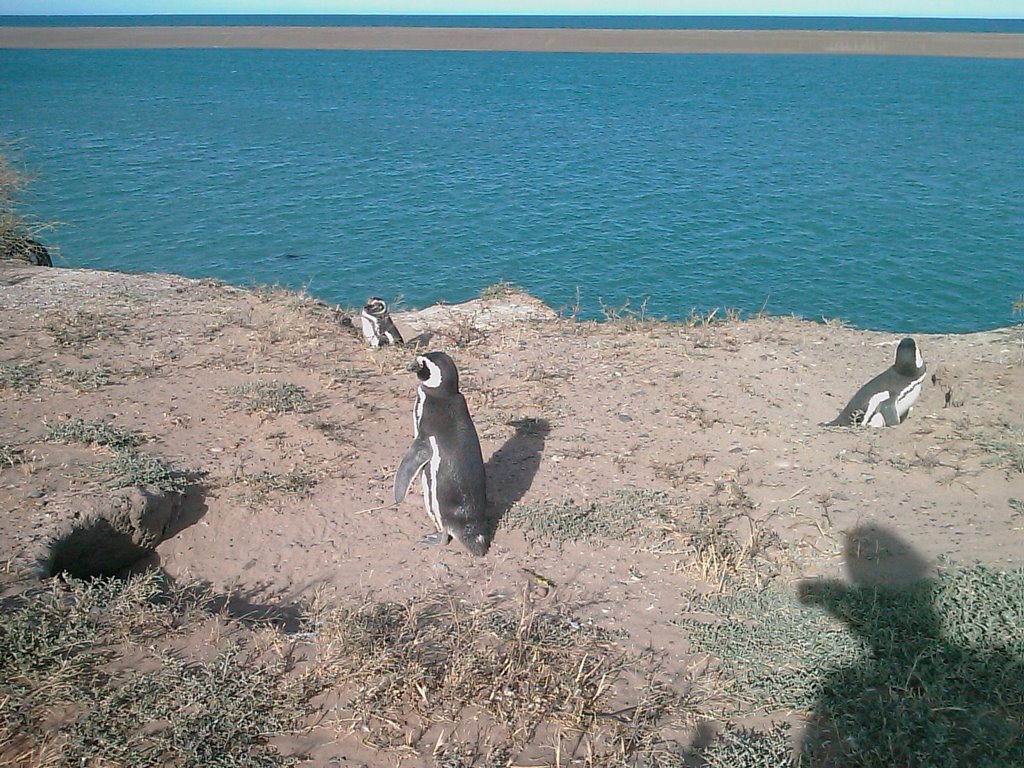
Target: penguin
(378, 327)
(446, 451)
(885, 401)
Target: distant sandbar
(549, 40)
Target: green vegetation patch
(79, 328)
(65, 700)
(299, 482)
(272, 397)
(771, 648)
(81, 432)
(350, 374)
(11, 456)
(19, 377)
(128, 468)
(24, 377)
(83, 379)
(738, 747)
(1006, 447)
(637, 516)
(928, 675)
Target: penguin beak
(414, 366)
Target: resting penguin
(447, 451)
(886, 400)
(378, 327)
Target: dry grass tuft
(411, 667)
(1006, 447)
(87, 678)
(272, 397)
(722, 543)
(636, 516)
(79, 328)
(11, 456)
(502, 290)
(626, 317)
(298, 483)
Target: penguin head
(475, 538)
(375, 306)
(437, 374)
(908, 358)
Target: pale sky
(995, 9)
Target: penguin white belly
(429, 476)
(872, 414)
(370, 332)
(908, 396)
(417, 411)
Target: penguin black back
(378, 327)
(446, 450)
(886, 400)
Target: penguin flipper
(419, 454)
(391, 333)
(889, 413)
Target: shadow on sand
(943, 684)
(511, 468)
(97, 547)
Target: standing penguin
(378, 327)
(886, 400)
(447, 451)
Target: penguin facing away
(886, 400)
(446, 452)
(378, 327)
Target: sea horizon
(584, 21)
(883, 191)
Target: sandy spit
(692, 41)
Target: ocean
(887, 192)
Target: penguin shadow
(420, 340)
(511, 469)
(917, 697)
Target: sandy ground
(713, 416)
(983, 45)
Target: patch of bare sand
(292, 429)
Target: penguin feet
(441, 538)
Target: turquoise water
(888, 192)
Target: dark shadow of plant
(943, 684)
